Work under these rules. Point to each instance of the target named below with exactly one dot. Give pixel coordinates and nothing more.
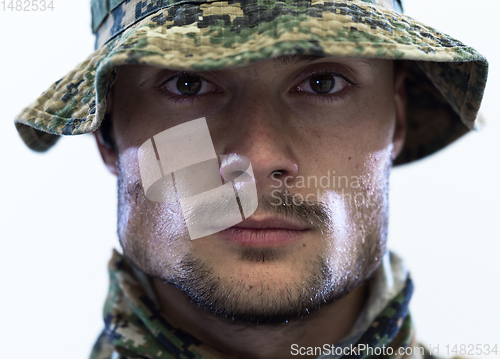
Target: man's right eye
(188, 84)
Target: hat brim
(445, 86)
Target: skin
(255, 302)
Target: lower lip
(262, 237)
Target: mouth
(265, 232)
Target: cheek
(357, 198)
(152, 234)
(357, 240)
(346, 136)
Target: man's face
(320, 134)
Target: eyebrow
(287, 60)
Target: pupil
(188, 85)
(323, 83)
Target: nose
(259, 131)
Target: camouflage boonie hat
(445, 85)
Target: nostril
(235, 166)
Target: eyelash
(179, 98)
(322, 97)
(325, 97)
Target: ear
(400, 101)
(105, 141)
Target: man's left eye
(323, 84)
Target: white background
(58, 210)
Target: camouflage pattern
(446, 85)
(392, 328)
(109, 21)
(135, 327)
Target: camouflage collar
(134, 326)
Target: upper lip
(270, 223)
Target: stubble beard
(146, 229)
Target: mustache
(284, 204)
(279, 203)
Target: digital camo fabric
(110, 18)
(446, 84)
(135, 328)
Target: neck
(327, 326)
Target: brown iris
(189, 85)
(322, 83)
